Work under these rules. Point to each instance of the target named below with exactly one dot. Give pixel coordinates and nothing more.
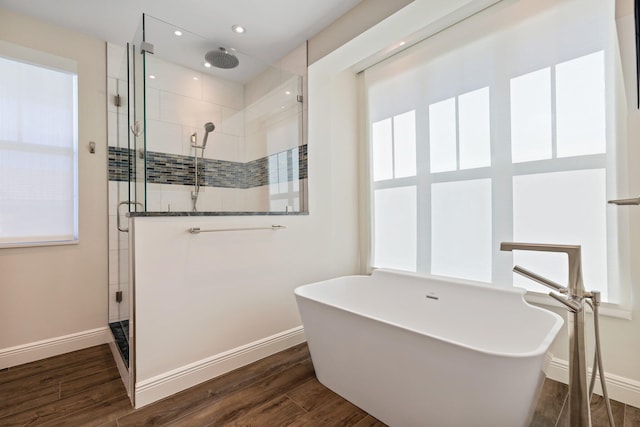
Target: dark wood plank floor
(83, 388)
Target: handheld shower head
(208, 128)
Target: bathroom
(66, 296)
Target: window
(393, 143)
(284, 181)
(512, 137)
(38, 148)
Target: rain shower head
(222, 58)
(208, 128)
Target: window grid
(425, 179)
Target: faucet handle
(542, 280)
(572, 305)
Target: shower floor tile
(120, 331)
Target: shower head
(208, 128)
(222, 58)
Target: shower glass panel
(126, 191)
(119, 195)
(218, 139)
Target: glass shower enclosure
(197, 128)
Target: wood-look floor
(83, 388)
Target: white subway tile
(114, 311)
(257, 199)
(123, 266)
(232, 122)
(255, 147)
(154, 197)
(113, 197)
(224, 147)
(123, 240)
(210, 199)
(187, 111)
(233, 200)
(123, 131)
(113, 232)
(113, 267)
(152, 103)
(173, 78)
(163, 137)
(112, 90)
(222, 92)
(283, 134)
(112, 129)
(179, 201)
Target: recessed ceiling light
(238, 29)
(195, 78)
(207, 65)
(288, 92)
(151, 76)
(403, 43)
(177, 33)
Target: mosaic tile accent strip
(163, 168)
(119, 161)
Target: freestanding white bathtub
(417, 351)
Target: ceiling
(273, 27)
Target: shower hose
(597, 358)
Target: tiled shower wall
(179, 101)
(275, 173)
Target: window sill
(38, 244)
(606, 309)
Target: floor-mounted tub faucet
(579, 413)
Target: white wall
(58, 294)
(361, 17)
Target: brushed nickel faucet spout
(542, 280)
(579, 413)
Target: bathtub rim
(542, 347)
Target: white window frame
(55, 63)
(501, 264)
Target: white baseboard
(30, 352)
(619, 388)
(168, 383)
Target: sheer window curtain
(38, 149)
(502, 127)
